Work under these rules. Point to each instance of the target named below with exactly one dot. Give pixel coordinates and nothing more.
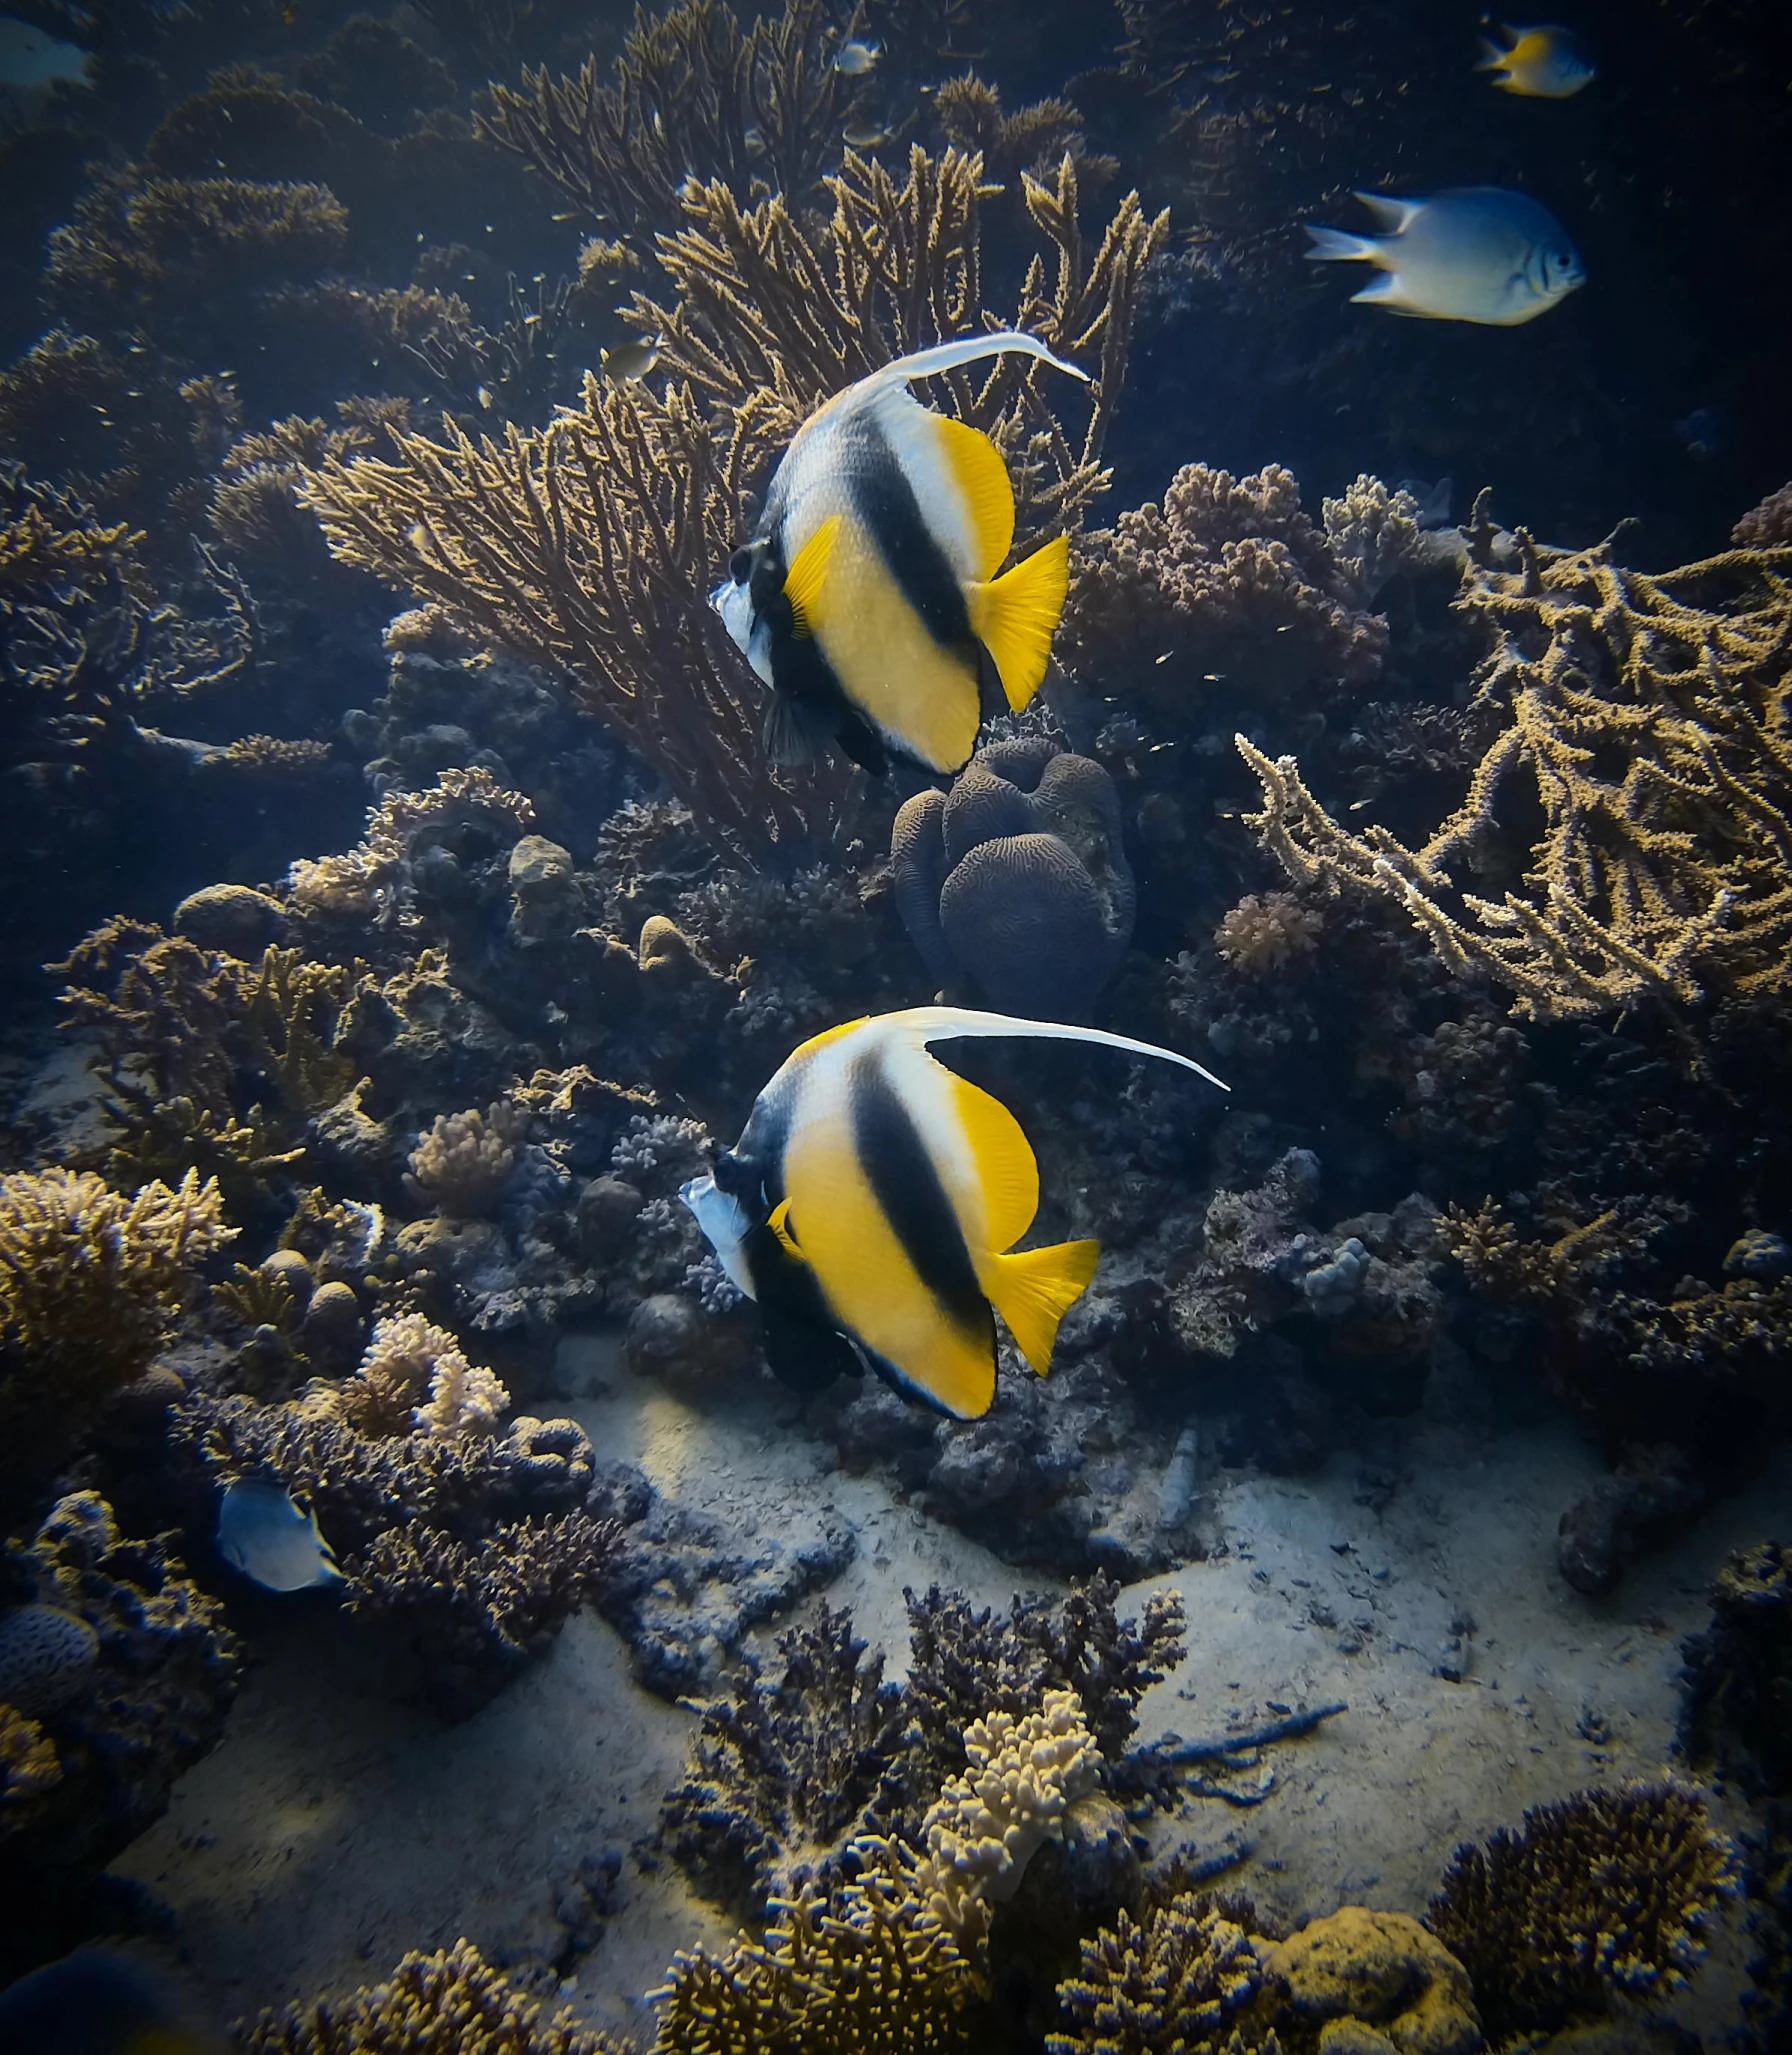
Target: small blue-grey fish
(856, 58)
(1474, 253)
(262, 1533)
(1547, 62)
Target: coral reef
(780, 1770)
(1598, 1898)
(1229, 579)
(1017, 879)
(453, 1997)
(1172, 1983)
(1738, 1674)
(1642, 715)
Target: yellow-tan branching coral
(451, 2000)
(1267, 933)
(413, 1375)
(1171, 1983)
(28, 1765)
(1646, 731)
(91, 1281)
(870, 1971)
(989, 1821)
(759, 107)
(463, 1161)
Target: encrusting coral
(91, 1281)
(1601, 1897)
(1646, 717)
(450, 2000)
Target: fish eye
(740, 566)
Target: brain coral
(1018, 879)
(46, 1656)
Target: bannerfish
(857, 58)
(630, 359)
(872, 1204)
(868, 599)
(1475, 253)
(1547, 62)
(274, 1543)
(33, 64)
(99, 2001)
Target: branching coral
(28, 1766)
(1600, 1897)
(1647, 727)
(408, 1358)
(991, 1819)
(477, 1611)
(1260, 935)
(1768, 526)
(779, 1770)
(969, 110)
(451, 1999)
(463, 1161)
(90, 1282)
(868, 1972)
(1172, 1983)
(759, 108)
(1228, 577)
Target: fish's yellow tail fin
(1016, 616)
(1033, 1290)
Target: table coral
(1645, 719)
(989, 1821)
(1018, 879)
(91, 1281)
(869, 1971)
(1171, 1983)
(453, 1999)
(1600, 1897)
(1227, 576)
(780, 1769)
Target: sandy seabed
(337, 1826)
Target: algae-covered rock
(1360, 1969)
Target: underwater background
(426, 1621)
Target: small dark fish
(631, 360)
(860, 134)
(99, 2001)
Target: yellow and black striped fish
(873, 1202)
(869, 599)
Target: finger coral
(1645, 718)
(1601, 1897)
(91, 1281)
(1227, 577)
(463, 1161)
(1172, 1983)
(413, 1374)
(1018, 879)
(868, 1972)
(780, 1769)
(451, 1999)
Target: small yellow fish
(630, 360)
(857, 58)
(872, 1204)
(869, 600)
(1547, 62)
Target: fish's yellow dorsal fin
(982, 479)
(1006, 1169)
(1016, 616)
(807, 573)
(1035, 1288)
(779, 1223)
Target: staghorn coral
(989, 1821)
(463, 1161)
(780, 1769)
(1601, 1897)
(1502, 1264)
(869, 1971)
(165, 1671)
(1264, 934)
(1228, 577)
(255, 510)
(476, 1612)
(760, 108)
(1018, 879)
(1646, 718)
(1171, 1983)
(91, 1281)
(1034, 138)
(451, 1999)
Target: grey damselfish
(1475, 253)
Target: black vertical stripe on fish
(885, 502)
(908, 1189)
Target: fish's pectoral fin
(805, 1357)
(804, 580)
(787, 734)
(982, 479)
(1016, 616)
(1033, 1289)
(779, 1223)
(862, 743)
